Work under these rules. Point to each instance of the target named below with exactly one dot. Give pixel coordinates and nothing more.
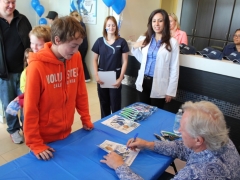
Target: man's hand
(140, 144)
(113, 160)
(46, 155)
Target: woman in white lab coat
(158, 54)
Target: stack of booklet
(127, 154)
(137, 112)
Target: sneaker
(16, 137)
(87, 80)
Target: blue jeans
(9, 90)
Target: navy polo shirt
(110, 56)
(229, 49)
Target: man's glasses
(236, 36)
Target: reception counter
(217, 81)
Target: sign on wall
(87, 9)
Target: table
(78, 156)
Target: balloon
(108, 3)
(119, 5)
(42, 21)
(40, 10)
(34, 3)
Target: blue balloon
(119, 5)
(42, 21)
(34, 3)
(40, 10)
(108, 3)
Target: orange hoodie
(53, 91)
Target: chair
(218, 48)
(166, 176)
(174, 167)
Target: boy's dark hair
(166, 30)
(66, 28)
(26, 55)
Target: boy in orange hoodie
(55, 87)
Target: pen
(134, 139)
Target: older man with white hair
(205, 146)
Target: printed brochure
(127, 154)
(121, 124)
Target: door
(188, 16)
(204, 18)
(235, 24)
(222, 18)
(190, 38)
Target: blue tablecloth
(78, 156)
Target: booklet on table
(121, 124)
(127, 154)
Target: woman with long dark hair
(159, 57)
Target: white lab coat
(166, 72)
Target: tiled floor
(10, 151)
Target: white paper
(121, 124)
(108, 77)
(127, 154)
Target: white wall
(63, 9)
(135, 17)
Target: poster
(87, 9)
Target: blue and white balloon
(35, 3)
(40, 10)
(42, 21)
(119, 5)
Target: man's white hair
(207, 121)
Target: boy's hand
(87, 128)
(46, 154)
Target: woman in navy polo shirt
(110, 54)
(159, 57)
